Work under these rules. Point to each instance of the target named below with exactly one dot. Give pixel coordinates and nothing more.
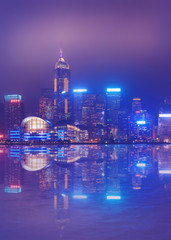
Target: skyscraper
(164, 121)
(14, 111)
(93, 110)
(45, 104)
(136, 104)
(164, 127)
(140, 126)
(78, 96)
(1, 118)
(62, 102)
(113, 101)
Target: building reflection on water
(76, 173)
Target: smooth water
(120, 192)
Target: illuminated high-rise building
(13, 176)
(164, 127)
(113, 101)
(140, 126)
(164, 121)
(93, 110)
(62, 102)
(78, 96)
(1, 118)
(136, 104)
(45, 104)
(14, 111)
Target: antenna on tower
(61, 53)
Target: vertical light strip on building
(66, 181)
(66, 202)
(65, 84)
(55, 85)
(66, 106)
(55, 202)
(55, 197)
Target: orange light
(15, 186)
(65, 84)
(66, 202)
(66, 106)
(55, 202)
(1, 136)
(66, 181)
(136, 99)
(55, 85)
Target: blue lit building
(45, 104)
(66, 132)
(164, 127)
(113, 102)
(15, 134)
(93, 110)
(78, 96)
(140, 126)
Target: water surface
(85, 192)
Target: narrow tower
(61, 100)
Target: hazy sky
(124, 43)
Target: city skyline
(85, 119)
(78, 115)
(103, 44)
(35, 107)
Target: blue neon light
(15, 137)
(12, 190)
(12, 97)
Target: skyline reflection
(65, 177)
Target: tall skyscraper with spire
(61, 102)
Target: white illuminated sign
(113, 90)
(79, 90)
(165, 115)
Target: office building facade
(14, 111)
(62, 98)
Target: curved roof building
(35, 125)
(35, 162)
(35, 128)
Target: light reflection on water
(85, 192)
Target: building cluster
(77, 115)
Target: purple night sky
(122, 43)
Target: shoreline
(83, 143)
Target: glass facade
(164, 127)
(14, 111)
(35, 128)
(35, 125)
